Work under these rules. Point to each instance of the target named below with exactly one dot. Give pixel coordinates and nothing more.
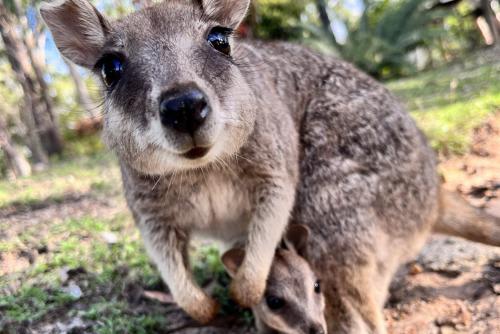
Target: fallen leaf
(159, 296)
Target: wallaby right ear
(79, 30)
(232, 260)
(230, 13)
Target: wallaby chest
(222, 207)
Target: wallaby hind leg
(355, 301)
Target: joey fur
(289, 135)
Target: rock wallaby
(232, 140)
(293, 302)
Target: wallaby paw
(203, 311)
(247, 292)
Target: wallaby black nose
(316, 329)
(184, 111)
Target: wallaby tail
(459, 218)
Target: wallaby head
(293, 302)
(175, 96)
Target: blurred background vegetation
(60, 202)
(50, 108)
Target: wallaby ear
(296, 238)
(79, 30)
(229, 13)
(232, 260)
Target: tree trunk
(82, 94)
(326, 22)
(17, 163)
(491, 20)
(38, 115)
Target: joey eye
(317, 286)
(219, 39)
(111, 69)
(275, 303)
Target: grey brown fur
(294, 135)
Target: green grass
(448, 103)
(63, 177)
(105, 271)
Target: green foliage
(32, 303)
(461, 33)
(114, 317)
(385, 35)
(279, 19)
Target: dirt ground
(452, 287)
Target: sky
(355, 8)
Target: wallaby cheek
(126, 137)
(238, 111)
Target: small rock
(109, 237)
(73, 290)
(75, 326)
(63, 274)
(415, 269)
(496, 288)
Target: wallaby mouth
(196, 153)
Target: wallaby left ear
(79, 30)
(296, 238)
(229, 13)
(232, 260)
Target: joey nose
(184, 111)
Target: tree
(491, 20)
(43, 137)
(17, 163)
(326, 22)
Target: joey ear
(79, 30)
(232, 260)
(229, 13)
(296, 238)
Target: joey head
(293, 302)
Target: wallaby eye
(111, 69)
(275, 303)
(219, 39)
(317, 286)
